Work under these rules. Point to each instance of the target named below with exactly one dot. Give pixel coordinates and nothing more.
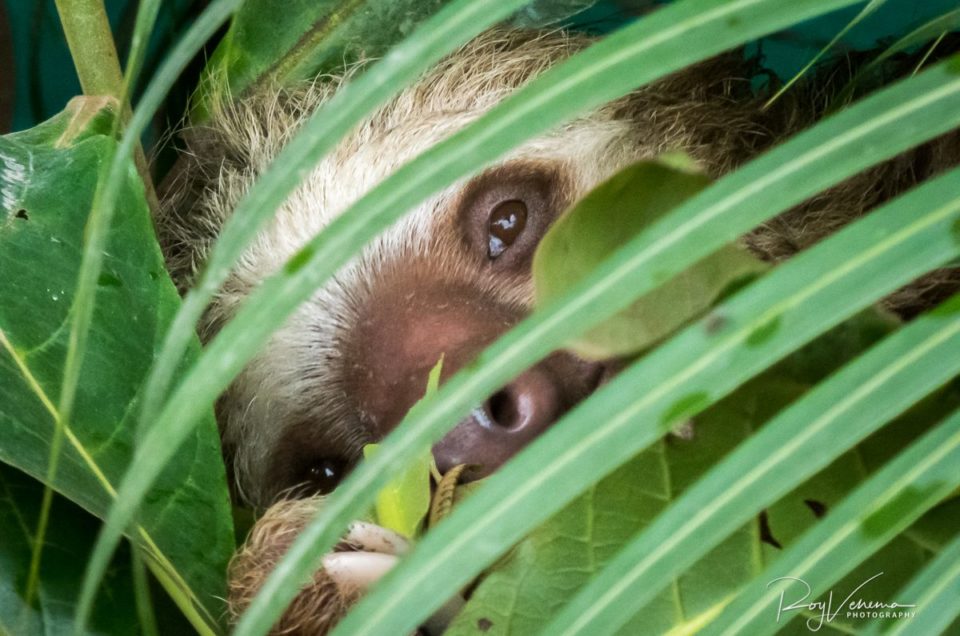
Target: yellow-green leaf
(404, 502)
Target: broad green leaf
(68, 543)
(883, 506)
(271, 46)
(605, 220)
(812, 433)
(814, 291)
(403, 503)
(531, 585)
(47, 181)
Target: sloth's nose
(403, 335)
(509, 420)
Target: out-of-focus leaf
(47, 180)
(528, 586)
(606, 219)
(543, 13)
(67, 545)
(267, 45)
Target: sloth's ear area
(504, 212)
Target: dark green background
(37, 78)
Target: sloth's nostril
(503, 409)
(511, 418)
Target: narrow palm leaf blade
(886, 504)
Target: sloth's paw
(364, 554)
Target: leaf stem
(91, 45)
(90, 40)
(141, 591)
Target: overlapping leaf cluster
(140, 445)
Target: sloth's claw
(368, 551)
(369, 537)
(377, 551)
(357, 571)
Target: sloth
(454, 273)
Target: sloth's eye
(507, 221)
(503, 213)
(324, 475)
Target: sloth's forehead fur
(297, 381)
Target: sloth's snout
(402, 339)
(506, 422)
(515, 415)
(528, 403)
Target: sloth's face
(452, 275)
(446, 281)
